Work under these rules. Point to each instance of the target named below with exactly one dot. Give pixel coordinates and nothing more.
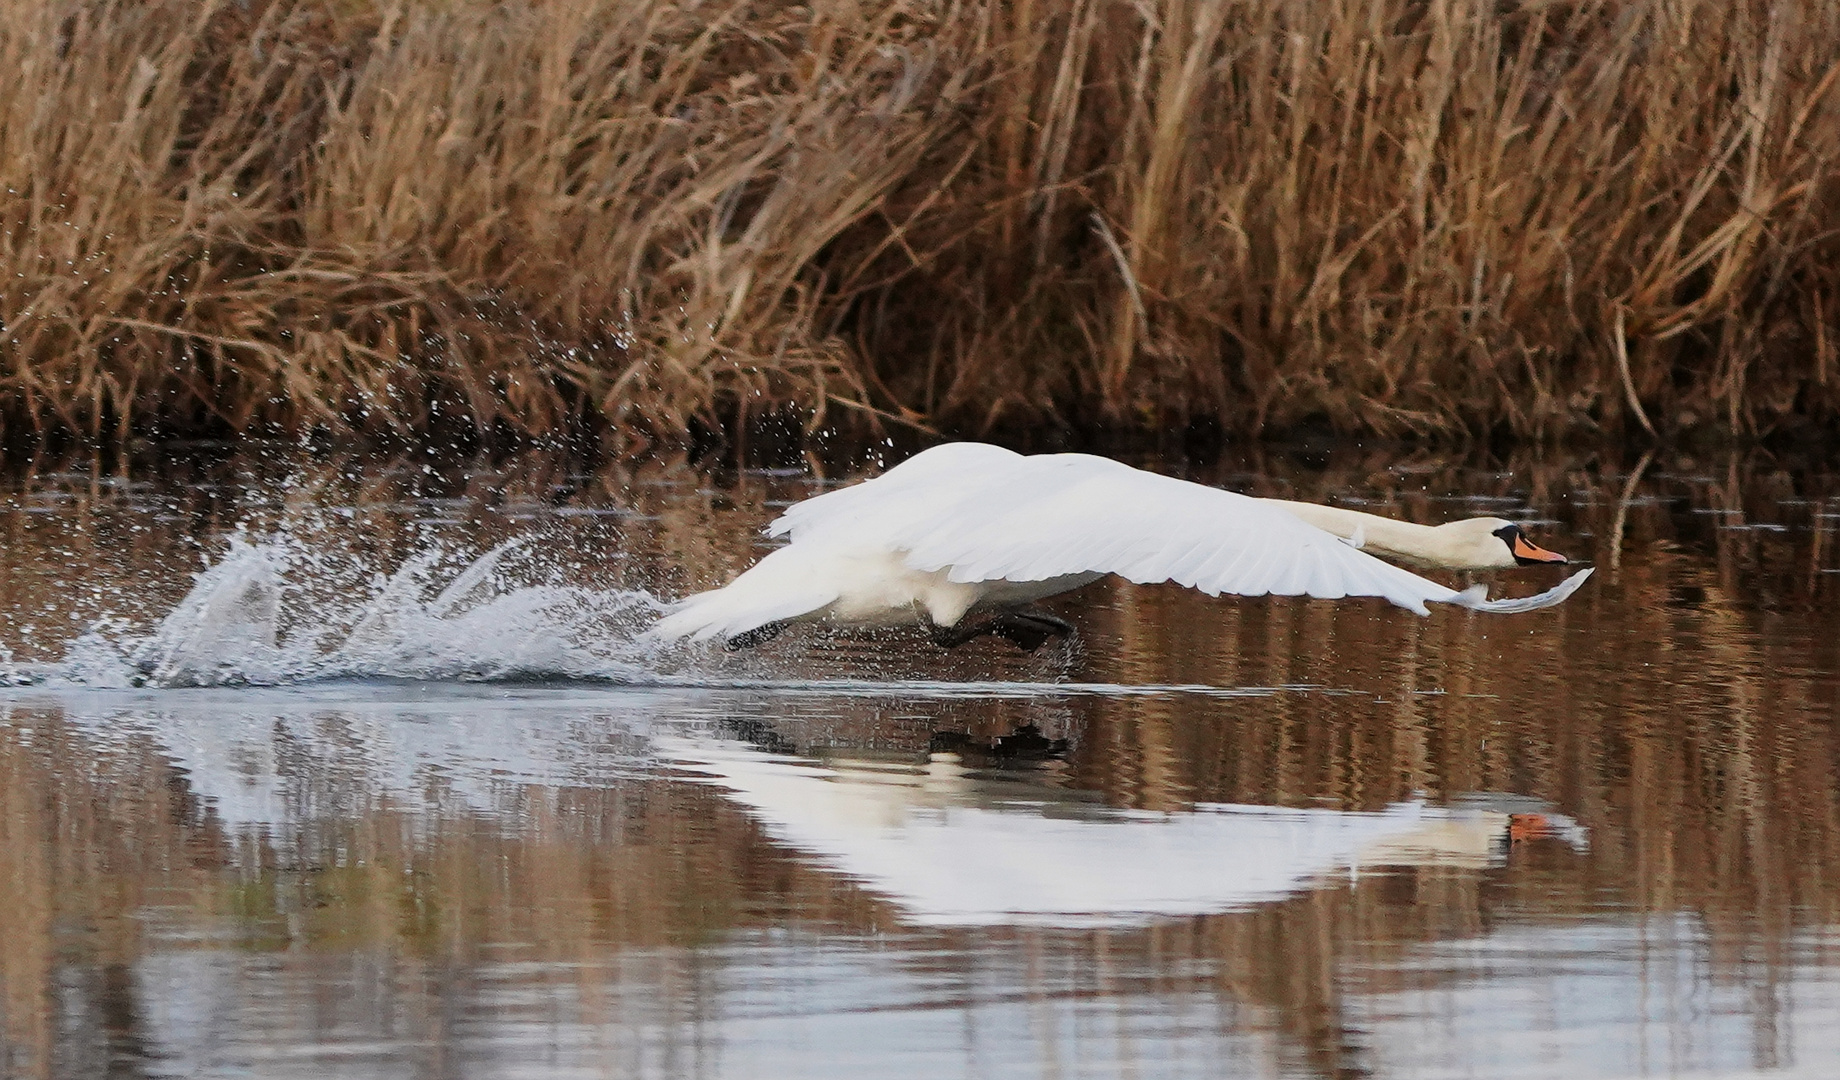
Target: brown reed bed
(1539, 219)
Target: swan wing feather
(786, 584)
(1066, 514)
(904, 495)
(1518, 604)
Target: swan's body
(966, 529)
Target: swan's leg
(1030, 630)
(747, 639)
(951, 637)
(1027, 630)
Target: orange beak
(1528, 552)
(1524, 827)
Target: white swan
(951, 848)
(966, 529)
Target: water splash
(225, 631)
(278, 611)
(310, 603)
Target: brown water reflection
(386, 878)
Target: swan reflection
(946, 844)
(951, 846)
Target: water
(356, 768)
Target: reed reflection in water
(364, 878)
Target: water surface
(353, 767)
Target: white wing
(829, 530)
(985, 514)
(923, 485)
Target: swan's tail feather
(698, 617)
(721, 613)
(778, 588)
(1475, 597)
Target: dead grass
(1431, 216)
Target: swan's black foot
(1027, 630)
(1030, 630)
(747, 639)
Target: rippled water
(353, 768)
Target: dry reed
(1435, 216)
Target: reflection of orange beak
(1528, 826)
(1530, 552)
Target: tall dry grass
(1537, 218)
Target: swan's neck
(1404, 541)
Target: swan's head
(1484, 543)
(1494, 544)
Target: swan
(963, 536)
(950, 847)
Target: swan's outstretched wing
(906, 495)
(1032, 518)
